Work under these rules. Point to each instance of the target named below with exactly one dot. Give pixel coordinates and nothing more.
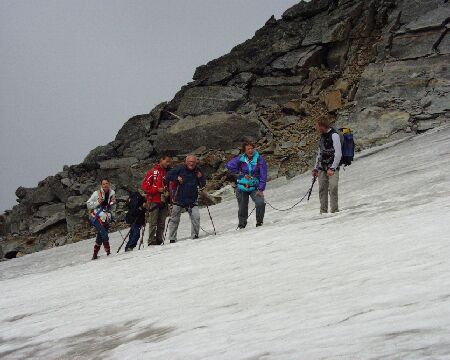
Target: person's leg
(133, 238)
(333, 188)
(162, 216)
(260, 205)
(242, 199)
(195, 222)
(174, 222)
(323, 191)
(98, 239)
(106, 239)
(153, 224)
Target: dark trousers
(242, 198)
(133, 238)
(102, 237)
(102, 232)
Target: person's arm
(112, 207)
(201, 179)
(233, 165)
(337, 150)
(92, 203)
(316, 166)
(173, 174)
(262, 174)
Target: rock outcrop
(379, 66)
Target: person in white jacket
(101, 206)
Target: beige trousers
(328, 185)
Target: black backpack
(136, 213)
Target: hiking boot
(154, 243)
(173, 241)
(195, 236)
(94, 257)
(259, 224)
(128, 249)
(240, 227)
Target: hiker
(251, 170)
(187, 179)
(327, 166)
(102, 204)
(135, 218)
(155, 186)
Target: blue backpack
(348, 146)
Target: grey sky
(72, 72)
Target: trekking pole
(124, 239)
(311, 188)
(212, 222)
(143, 231)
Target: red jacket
(154, 180)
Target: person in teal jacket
(251, 170)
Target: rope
(308, 194)
(289, 208)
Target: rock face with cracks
(378, 66)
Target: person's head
(248, 148)
(165, 161)
(105, 184)
(322, 126)
(191, 162)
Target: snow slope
(372, 282)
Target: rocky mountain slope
(379, 66)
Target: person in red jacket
(156, 188)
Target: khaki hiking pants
(194, 216)
(157, 222)
(328, 185)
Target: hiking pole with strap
(212, 222)
(311, 188)
(124, 239)
(172, 199)
(143, 232)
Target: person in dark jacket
(135, 218)
(187, 179)
(327, 165)
(251, 170)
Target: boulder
(140, 149)
(279, 80)
(136, 128)
(210, 99)
(215, 131)
(301, 58)
(324, 31)
(49, 222)
(411, 10)
(333, 100)
(415, 45)
(295, 107)
(432, 19)
(75, 203)
(42, 195)
(243, 78)
(306, 9)
(375, 125)
(276, 94)
(117, 163)
(101, 153)
(444, 44)
(46, 211)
